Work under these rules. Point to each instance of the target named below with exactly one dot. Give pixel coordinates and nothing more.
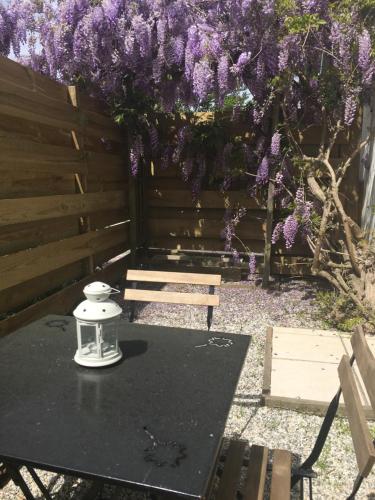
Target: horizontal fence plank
(207, 199)
(32, 80)
(24, 104)
(22, 295)
(18, 237)
(13, 211)
(30, 184)
(203, 213)
(20, 153)
(207, 244)
(25, 265)
(203, 228)
(182, 278)
(63, 301)
(196, 299)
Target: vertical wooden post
(81, 179)
(270, 207)
(268, 236)
(133, 208)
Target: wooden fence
(63, 196)
(178, 231)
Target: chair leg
(356, 486)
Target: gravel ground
(248, 309)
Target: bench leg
(210, 309)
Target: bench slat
(363, 446)
(171, 277)
(195, 299)
(256, 473)
(365, 361)
(281, 475)
(230, 479)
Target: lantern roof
(97, 307)
(97, 311)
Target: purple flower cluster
(290, 230)
(202, 79)
(136, 153)
(263, 171)
(252, 264)
(365, 62)
(350, 109)
(277, 232)
(275, 144)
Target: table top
(154, 420)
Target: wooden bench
(210, 300)
(283, 479)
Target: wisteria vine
(309, 61)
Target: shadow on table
(132, 348)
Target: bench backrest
(198, 299)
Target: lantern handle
(114, 290)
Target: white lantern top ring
(97, 307)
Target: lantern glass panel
(109, 333)
(89, 345)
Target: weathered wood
(23, 294)
(18, 237)
(196, 299)
(229, 483)
(172, 277)
(202, 228)
(362, 440)
(207, 199)
(32, 80)
(63, 301)
(365, 361)
(29, 183)
(22, 266)
(24, 153)
(268, 235)
(204, 244)
(256, 473)
(281, 475)
(267, 364)
(15, 211)
(311, 407)
(19, 102)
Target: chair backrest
(362, 440)
(363, 443)
(198, 299)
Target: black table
(155, 420)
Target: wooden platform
(300, 368)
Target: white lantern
(97, 327)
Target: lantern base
(97, 363)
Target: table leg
(39, 483)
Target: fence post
(270, 207)
(133, 215)
(81, 179)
